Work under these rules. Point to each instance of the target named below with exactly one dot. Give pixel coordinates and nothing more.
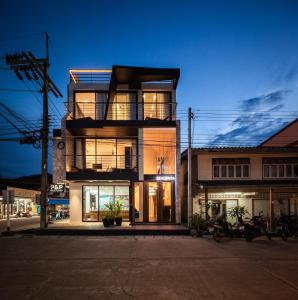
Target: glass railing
(103, 163)
(123, 111)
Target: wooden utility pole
(26, 65)
(45, 138)
(271, 208)
(189, 186)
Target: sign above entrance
(165, 177)
(57, 188)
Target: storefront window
(95, 199)
(122, 195)
(90, 203)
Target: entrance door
(159, 202)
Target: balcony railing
(123, 110)
(102, 163)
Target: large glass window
(159, 151)
(280, 167)
(123, 107)
(106, 155)
(95, 199)
(90, 203)
(90, 105)
(157, 105)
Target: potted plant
(109, 217)
(118, 205)
(106, 219)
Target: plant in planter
(118, 205)
(106, 219)
(109, 216)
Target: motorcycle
(258, 226)
(220, 228)
(287, 226)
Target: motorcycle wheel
(268, 235)
(248, 236)
(216, 236)
(284, 236)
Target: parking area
(147, 267)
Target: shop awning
(58, 201)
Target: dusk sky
(238, 61)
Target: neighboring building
(120, 140)
(24, 202)
(246, 176)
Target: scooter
(287, 226)
(221, 228)
(256, 227)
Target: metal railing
(123, 110)
(103, 163)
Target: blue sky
(238, 60)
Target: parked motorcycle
(220, 228)
(287, 226)
(258, 226)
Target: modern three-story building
(120, 140)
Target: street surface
(20, 223)
(65, 267)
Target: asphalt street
(20, 223)
(56, 267)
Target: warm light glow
(231, 193)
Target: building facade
(263, 178)
(120, 140)
(24, 202)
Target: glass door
(152, 201)
(159, 202)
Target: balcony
(121, 167)
(123, 111)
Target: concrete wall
(75, 202)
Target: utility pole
(189, 186)
(26, 65)
(45, 139)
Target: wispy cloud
(257, 121)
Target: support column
(206, 203)
(271, 208)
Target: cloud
(256, 121)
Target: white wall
(75, 202)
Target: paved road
(20, 223)
(146, 268)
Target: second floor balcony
(123, 111)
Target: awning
(58, 201)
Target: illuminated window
(159, 151)
(157, 106)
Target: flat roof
(131, 75)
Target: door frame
(159, 202)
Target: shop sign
(57, 188)
(165, 177)
(8, 196)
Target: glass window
(245, 171)
(273, 170)
(122, 195)
(281, 171)
(266, 171)
(157, 106)
(215, 171)
(289, 170)
(231, 171)
(223, 171)
(295, 170)
(124, 107)
(106, 195)
(238, 171)
(90, 203)
(85, 105)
